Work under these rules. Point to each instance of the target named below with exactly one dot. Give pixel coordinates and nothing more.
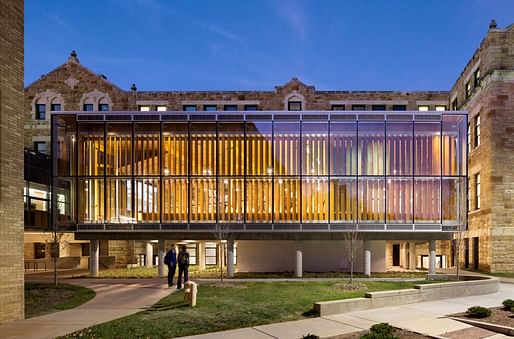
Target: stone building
(11, 160)
(484, 88)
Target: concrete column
(230, 258)
(149, 254)
(367, 258)
(298, 270)
(412, 256)
(431, 258)
(162, 253)
(94, 257)
(201, 256)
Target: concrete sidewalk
(427, 318)
(115, 298)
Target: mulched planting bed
(403, 334)
(499, 316)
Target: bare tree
(54, 240)
(352, 240)
(222, 232)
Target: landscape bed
(230, 306)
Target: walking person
(171, 260)
(183, 266)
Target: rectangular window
(40, 147)
(103, 107)
(423, 108)
(337, 107)
(40, 111)
(477, 191)
(468, 89)
(440, 108)
(211, 257)
(378, 107)
(161, 108)
(294, 106)
(476, 78)
(189, 108)
(210, 108)
(250, 107)
(87, 107)
(477, 131)
(358, 107)
(55, 107)
(399, 107)
(191, 248)
(230, 108)
(469, 195)
(144, 108)
(469, 137)
(455, 105)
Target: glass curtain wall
(262, 171)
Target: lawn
(213, 272)
(46, 298)
(229, 306)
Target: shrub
(310, 336)
(508, 304)
(478, 312)
(380, 331)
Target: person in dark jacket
(171, 260)
(183, 266)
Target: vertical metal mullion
(188, 175)
(76, 184)
(245, 155)
(301, 173)
(357, 217)
(329, 163)
(133, 183)
(160, 175)
(413, 161)
(105, 172)
(441, 172)
(384, 150)
(273, 173)
(216, 140)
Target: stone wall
(11, 160)
(493, 101)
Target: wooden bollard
(190, 291)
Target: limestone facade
(490, 103)
(11, 160)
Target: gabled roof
(74, 60)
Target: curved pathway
(115, 298)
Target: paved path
(120, 297)
(427, 318)
(114, 299)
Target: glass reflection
(259, 151)
(371, 148)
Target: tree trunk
(54, 253)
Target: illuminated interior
(263, 171)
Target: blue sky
(245, 45)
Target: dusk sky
(245, 45)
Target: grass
(213, 272)
(46, 298)
(229, 306)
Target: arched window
(294, 102)
(46, 102)
(95, 101)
